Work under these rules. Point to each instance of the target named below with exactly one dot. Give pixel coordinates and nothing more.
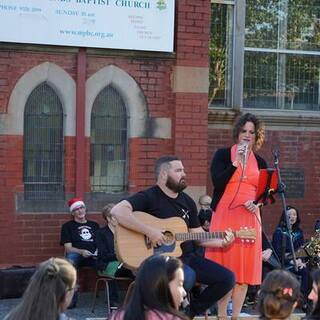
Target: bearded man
(166, 199)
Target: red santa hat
(75, 203)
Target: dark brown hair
(259, 128)
(151, 290)
(164, 163)
(278, 294)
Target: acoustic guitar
(132, 247)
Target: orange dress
(242, 257)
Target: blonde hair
(46, 291)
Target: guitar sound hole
(169, 238)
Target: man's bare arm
(69, 248)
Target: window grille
(282, 58)
(43, 145)
(220, 55)
(108, 161)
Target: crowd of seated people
(86, 244)
(95, 246)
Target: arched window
(43, 145)
(108, 161)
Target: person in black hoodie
(107, 263)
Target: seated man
(205, 212)
(164, 200)
(78, 237)
(107, 262)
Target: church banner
(117, 24)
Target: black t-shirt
(80, 235)
(155, 202)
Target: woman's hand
(251, 206)
(266, 254)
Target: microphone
(275, 153)
(245, 154)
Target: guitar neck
(199, 236)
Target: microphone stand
(281, 189)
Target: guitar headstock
(246, 233)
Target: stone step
(294, 316)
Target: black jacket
(222, 170)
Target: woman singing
(235, 175)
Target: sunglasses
(81, 207)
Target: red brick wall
(191, 116)
(297, 150)
(30, 238)
(193, 28)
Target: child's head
(106, 214)
(158, 286)
(49, 292)
(160, 278)
(278, 295)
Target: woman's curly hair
(258, 125)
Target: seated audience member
(49, 292)
(314, 296)
(205, 212)
(157, 293)
(107, 262)
(278, 295)
(78, 238)
(281, 244)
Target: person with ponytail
(49, 292)
(278, 295)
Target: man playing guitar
(164, 200)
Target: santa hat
(75, 203)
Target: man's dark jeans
(218, 280)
